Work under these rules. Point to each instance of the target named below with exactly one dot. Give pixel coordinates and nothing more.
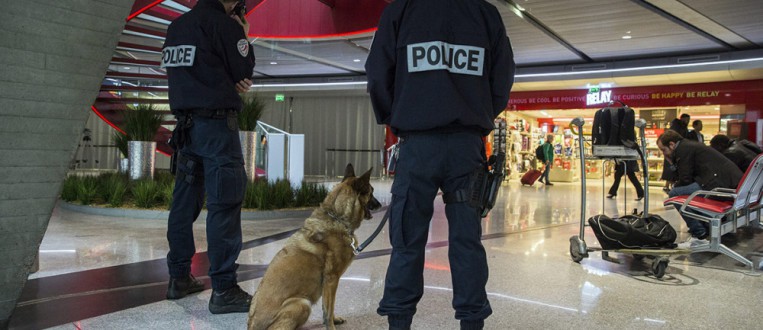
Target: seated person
(735, 151)
(698, 167)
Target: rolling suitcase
(530, 177)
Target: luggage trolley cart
(578, 248)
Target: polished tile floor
(100, 272)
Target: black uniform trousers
(426, 163)
(217, 170)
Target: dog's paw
(338, 320)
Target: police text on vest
(439, 55)
(181, 55)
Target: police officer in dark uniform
(439, 73)
(209, 61)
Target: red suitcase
(530, 177)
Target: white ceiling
(548, 36)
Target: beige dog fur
(313, 259)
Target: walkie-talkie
(240, 9)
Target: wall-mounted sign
(734, 92)
(596, 96)
(280, 97)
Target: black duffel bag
(633, 232)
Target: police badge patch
(243, 47)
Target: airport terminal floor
(99, 272)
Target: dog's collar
(334, 216)
(353, 242)
(339, 220)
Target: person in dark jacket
(696, 132)
(699, 167)
(681, 124)
(629, 167)
(439, 73)
(734, 150)
(209, 61)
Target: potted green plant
(251, 111)
(141, 125)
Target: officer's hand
(242, 21)
(243, 85)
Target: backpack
(613, 126)
(539, 154)
(751, 146)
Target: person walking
(548, 159)
(209, 61)
(439, 72)
(629, 167)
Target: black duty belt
(210, 113)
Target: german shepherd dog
(313, 259)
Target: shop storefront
(729, 108)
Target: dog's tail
(293, 314)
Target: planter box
(142, 155)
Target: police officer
(209, 61)
(439, 73)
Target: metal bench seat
(726, 210)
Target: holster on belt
(180, 137)
(483, 186)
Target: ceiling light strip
(552, 74)
(657, 67)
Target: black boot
(232, 300)
(181, 287)
(472, 325)
(399, 322)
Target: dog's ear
(363, 183)
(367, 176)
(349, 172)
